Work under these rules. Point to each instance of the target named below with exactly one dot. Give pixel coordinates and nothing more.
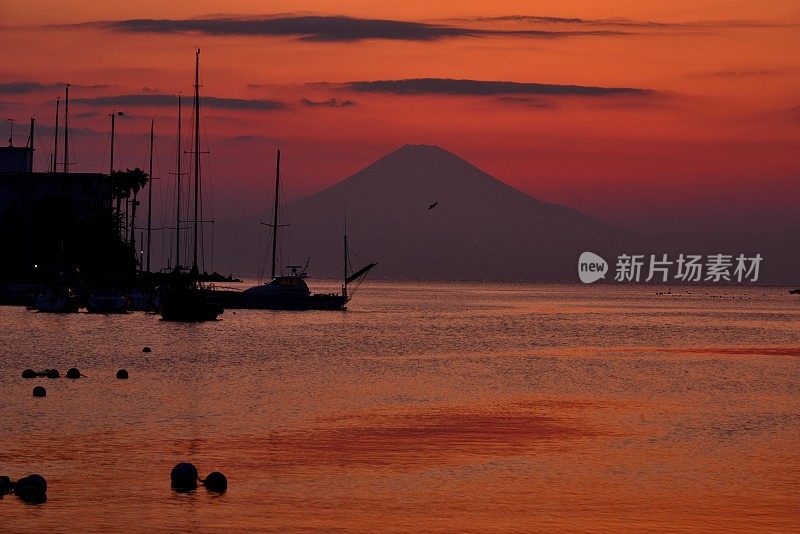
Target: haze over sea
(424, 407)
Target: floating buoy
(28, 373)
(32, 489)
(73, 373)
(39, 391)
(30, 495)
(216, 481)
(184, 476)
(52, 373)
(5, 485)
(122, 374)
(146, 349)
(37, 481)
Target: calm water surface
(425, 407)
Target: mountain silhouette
(481, 228)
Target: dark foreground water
(426, 407)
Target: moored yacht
(290, 292)
(183, 297)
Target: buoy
(184, 476)
(52, 373)
(122, 374)
(5, 485)
(32, 489)
(28, 373)
(216, 481)
(39, 391)
(37, 481)
(30, 495)
(73, 373)
(146, 349)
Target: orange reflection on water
(491, 408)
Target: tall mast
(196, 152)
(150, 197)
(66, 130)
(30, 138)
(111, 160)
(111, 173)
(55, 138)
(275, 211)
(344, 284)
(178, 193)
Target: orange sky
(712, 144)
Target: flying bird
(433, 205)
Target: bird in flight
(433, 205)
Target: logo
(591, 267)
(714, 268)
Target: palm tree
(125, 183)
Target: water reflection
(491, 407)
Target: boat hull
(241, 300)
(48, 304)
(190, 306)
(106, 305)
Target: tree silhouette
(123, 185)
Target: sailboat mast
(66, 130)
(150, 197)
(30, 139)
(55, 136)
(111, 160)
(344, 283)
(344, 279)
(275, 211)
(196, 152)
(178, 193)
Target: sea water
(424, 407)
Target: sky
(675, 117)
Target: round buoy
(146, 349)
(28, 373)
(184, 476)
(5, 485)
(30, 494)
(39, 391)
(37, 481)
(73, 373)
(122, 374)
(216, 481)
(52, 373)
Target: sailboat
(142, 295)
(57, 299)
(106, 298)
(290, 292)
(184, 298)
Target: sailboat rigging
(290, 292)
(184, 298)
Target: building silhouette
(52, 222)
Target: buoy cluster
(32, 489)
(72, 373)
(184, 477)
(47, 373)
